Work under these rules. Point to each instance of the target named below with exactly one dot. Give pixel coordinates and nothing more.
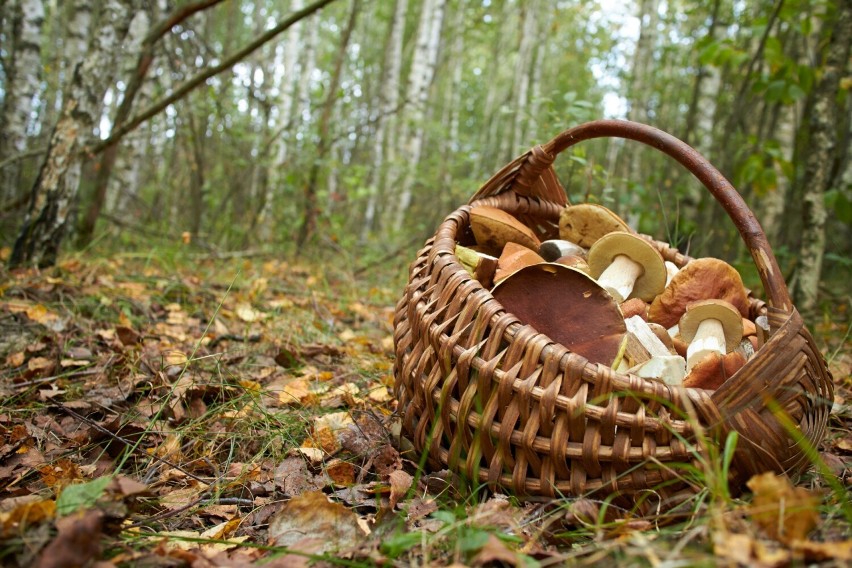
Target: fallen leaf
(328, 429)
(400, 483)
(312, 516)
(824, 551)
(248, 314)
(78, 540)
(25, 515)
(785, 512)
(340, 472)
(15, 359)
(495, 552)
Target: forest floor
(171, 409)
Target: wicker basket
(488, 397)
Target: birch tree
(21, 87)
(58, 180)
(286, 60)
(422, 72)
(819, 171)
(386, 120)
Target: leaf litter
(240, 413)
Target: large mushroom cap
(701, 279)
(651, 282)
(720, 310)
(585, 223)
(569, 307)
(493, 228)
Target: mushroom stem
(709, 338)
(619, 277)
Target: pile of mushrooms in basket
(605, 293)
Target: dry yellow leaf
(176, 358)
(327, 430)
(15, 359)
(785, 512)
(38, 363)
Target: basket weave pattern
(491, 398)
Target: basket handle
(746, 223)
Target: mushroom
(710, 326)
(651, 358)
(493, 228)
(479, 265)
(700, 279)
(579, 314)
(635, 307)
(513, 258)
(573, 261)
(627, 266)
(714, 370)
(556, 248)
(671, 270)
(585, 223)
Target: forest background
(358, 125)
(207, 210)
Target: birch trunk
(420, 79)
(643, 63)
(310, 205)
(386, 120)
(21, 87)
(56, 187)
(286, 60)
(523, 73)
(132, 48)
(818, 178)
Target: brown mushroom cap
(635, 307)
(651, 282)
(513, 258)
(720, 310)
(585, 223)
(493, 228)
(713, 370)
(569, 307)
(701, 279)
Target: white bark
(523, 73)
(420, 79)
(386, 121)
(306, 68)
(821, 150)
(126, 175)
(22, 86)
(76, 36)
(286, 59)
(58, 182)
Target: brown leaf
(824, 551)
(293, 477)
(785, 512)
(341, 472)
(24, 515)
(495, 552)
(312, 516)
(78, 541)
(400, 483)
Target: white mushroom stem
(671, 369)
(671, 270)
(709, 338)
(620, 276)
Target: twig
(55, 377)
(233, 337)
(128, 443)
(22, 156)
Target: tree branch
(184, 89)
